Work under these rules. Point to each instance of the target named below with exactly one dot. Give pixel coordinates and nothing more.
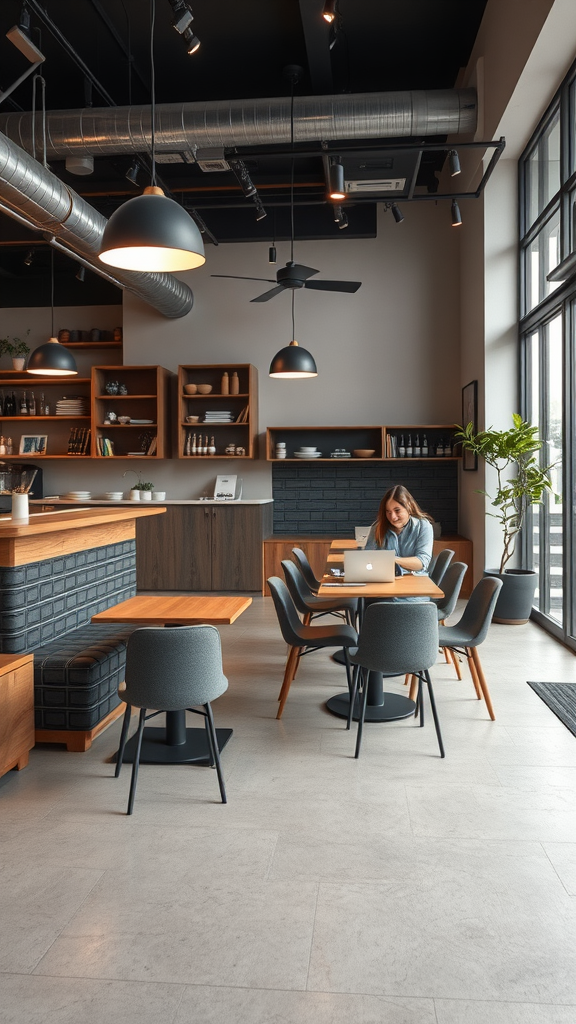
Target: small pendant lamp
(51, 359)
(293, 362)
(151, 232)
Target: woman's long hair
(400, 494)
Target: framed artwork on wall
(469, 415)
(33, 444)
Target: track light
(456, 215)
(336, 188)
(340, 217)
(29, 257)
(133, 172)
(453, 163)
(183, 19)
(19, 36)
(192, 42)
(396, 213)
(272, 254)
(260, 211)
(329, 12)
(81, 274)
(243, 177)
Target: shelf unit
(58, 429)
(245, 404)
(328, 439)
(147, 399)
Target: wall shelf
(239, 433)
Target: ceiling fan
(294, 275)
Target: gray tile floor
(397, 889)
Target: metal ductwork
(38, 198)
(226, 124)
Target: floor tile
(36, 1000)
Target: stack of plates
(219, 416)
(308, 453)
(141, 421)
(77, 496)
(75, 406)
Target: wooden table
(381, 707)
(176, 744)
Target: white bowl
(158, 495)
(114, 495)
(304, 449)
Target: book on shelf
(153, 446)
(104, 446)
(242, 416)
(79, 441)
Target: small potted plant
(508, 452)
(135, 490)
(17, 348)
(146, 491)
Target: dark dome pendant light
(51, 359)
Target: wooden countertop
(71, 519)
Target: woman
(403, 527)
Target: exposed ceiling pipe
(228, 123)
(39, 199)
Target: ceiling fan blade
(236, 277)
(269, 294)
(304, 272)
(334, 286)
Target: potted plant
(137, 487)
(511, 451)
(146, 491)
(17, 348)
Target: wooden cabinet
(16, 710)
(230, 419)
(463, 552)
(55, 433)
(382, 441)
(144, 402)
(276, 549)
(203, 547)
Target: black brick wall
(330, 499)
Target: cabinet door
(237, 548)
(173, 550)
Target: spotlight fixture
(52, 359)
(260, 211)
(272, 254)
(81, 274)
(456, 215)
(396, 212)
(340, 217)
(293, 362)
(243, 178)
(453, 163)
(329, 12)
(133, 172)
(29, 257)
(19, 36)
(152, 232)
(183, 19)
(336, 188)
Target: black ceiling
(245, 45)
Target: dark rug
(561, 699)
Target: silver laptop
(361, 535)
(369, 566)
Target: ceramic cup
(158, 495)
(20, 508)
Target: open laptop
(369, 566)
(361, 535)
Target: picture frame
(33, 444)
(470, 415)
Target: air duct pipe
(39, 198)
(259, 122)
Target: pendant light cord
(52, 288)
(292, 175)
(293, 328)
(153, 85)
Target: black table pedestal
(175, 744)
(381, 707)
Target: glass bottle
(417, 447)
(32, 405)
(448, 446)
(212, 448)
(47, 409)
(401, 448)
(424, 447)
(23, 405)
(439, 448)
(2, 445)
(8, 446)
(409, 449)
(42, 404)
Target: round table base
(155, 749)
(395, 706)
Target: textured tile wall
(330, 499)
(44, 600)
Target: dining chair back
(172, 670)
(302, 560)
(311, 606)
(466, 635)
(303, 639)
(451, 585)
(440, 565)
(397, 637)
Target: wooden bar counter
(52, 534)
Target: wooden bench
(16, 711)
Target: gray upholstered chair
(303, 639)
(439, 565)
(396, 637)
(301, 560)
(310, 606)
(470, 631)
(172, 670)
(451, 585)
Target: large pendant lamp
(51, 359)
(152, 232)
(293, 362)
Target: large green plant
(503, 450)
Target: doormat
(561, 699)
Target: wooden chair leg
(452, 658)
(407, 678)
(306, 619)
(473, 673)
(413, 687)
(289, 669)
(483, 683)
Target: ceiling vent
(374, 185)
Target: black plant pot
(516, 598)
